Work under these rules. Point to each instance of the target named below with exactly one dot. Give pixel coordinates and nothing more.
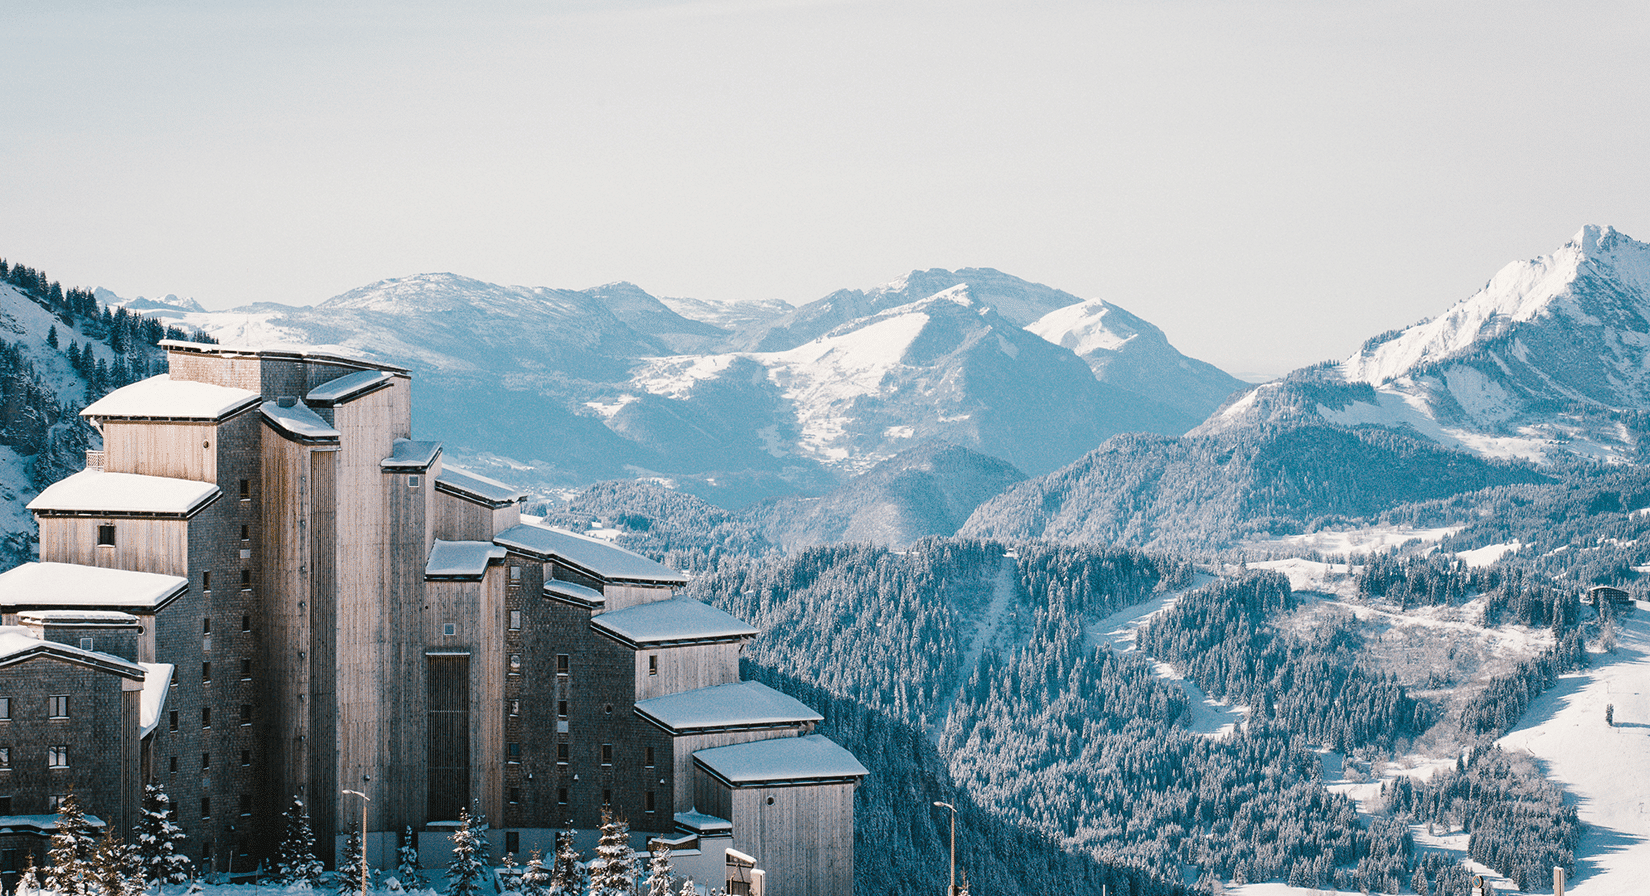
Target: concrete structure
(335, 609)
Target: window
(561, 753)
(86, 644)
(172, 723)
(515, 663)
(647, 759)
(563, 664)
(246, 580)
(246, 622)
(412, 482)
(561, 708)
(206, 582)
(206, 625)
(515, 620)
(5, 757)
(57, 757)
(515, 573)
(449, 629)
(607, 754)
(206, 761)
(607, 797)
(515, 797)
(515, 707)
(246, 533)
(246, 713)
(561, 796)
(57, 707)
(607, 709)
(54, 801)
(246, 757)
(106, 536)
(653, 664)
(246, 670)
(5, 709)
(5, 805)
(246, 804)
(174, 682)
(173, 764)
(206, 672)
(649, 801)
(206, 807)
(515, 752)
(246, 495)
(206, 717)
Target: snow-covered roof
(406, 454)
(669, 622)
(277, 351)
(588, 555)
(812, 759)
(59, 585)
(77, 617)
(573, 592)
(120, 494)
(296, 419)
(742, 704)
(156, 685)
(461, 559)
(347, 386)
(477, 488)
(700, 823)
(38, 824)
(163, 398)
(18, 644)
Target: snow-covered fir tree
(349, 865)
(71, 852)
(688, 889)
(564, 871)
(295, 860)
(407, 861)
(29, 883)
(114, 869)
(613, 870)
(159, 841)
(509, 874)
(465, 871)
(535, 878)
(659, 873)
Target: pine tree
(535, 880)
(349, 866)
(659, 872)
(564, 873)
(112, 868)
(688, 889)
(160, 841)
(407, 859)
(295, 859)
(613, 871)
(465, 871)
(71, 851)
(29, 883)
(51, 336)
(509, 874)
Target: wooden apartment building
(305, 600)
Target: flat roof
(163, 398)
(275, 351)
(811, 759)
(348, 386)
(18, 644)
(58, 585)
(298, 421)
(742, 704)
(592, 556)
(407, 454)
(94, 492)
(699, 823)
(477, 488)
(662, 623)
(461, 559)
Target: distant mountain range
(742, 402)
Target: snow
(406, 454)
(157, 683)
(590, 555)
(1081, 328)
(94, 491)
(461, 559)
(163, 397)
(742, 704)
(72, 585)
(297, 419)
(1488, 554)
(77, 617)
(675, 621)
(1312, 575)
(488, 490)
(347, 386)
(15, 639)
(576, 593)
(813, 757)
(1363, 539)
(699, 822)
(1396, 409)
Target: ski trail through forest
(987, 631)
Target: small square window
(5, 709)
(54, 801)
(607, 754)
(515, 662)
(561, 753)
(515, 620)
(412, 482)
(449, 629)
(564, 664)
(57, 707)
(515, 752)
(515, 573)
(5, 809)
(106, 536)
(86, 644)
(57, 757)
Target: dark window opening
(206, 581)
(561, 753)
(512, 839)
(172, 722)
(649, 807)
(515, 797)
(106, 536)
(563, 664)
(246, 489)
(206, 807)
(515, 752)
(172, 765)
(246, 668)
(246, 622)
(206, 671)
(607, 754)
(561, 796)
(246, 579)
(653, 664)
(648, 761)
(561, 708)
(206, 717)
(246, 713)
(246, 533)
(246, 804)
(206, 760)
(206, 625)
(607, 797)
(246, 757)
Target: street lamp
(953, 890)
(364, 801)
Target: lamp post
(364, 801)
(953, 890)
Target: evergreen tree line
(1518, 821)
(80, 864)
(1513, 594)
(1317, 685)
(1506, 697)
(35, 423)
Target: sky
(1269, 182)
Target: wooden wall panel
(179, 450)
(621, 596)
(804, 838)
(683, 772)
(686, 668)
(144, 545)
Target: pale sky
(1269, 182)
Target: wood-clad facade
(357, 617)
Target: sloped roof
(347, 386)
(574, 593)
(276, 351)
(813, 759)
(461, 559)
(157, 684)
(94, 491)
(407, 454)
(477, 488)
(72, 585)
(588, 555)
(163, 398)
(669, 622)
(77, 617)
(298, 421)
(18, 644)
(742, 704)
